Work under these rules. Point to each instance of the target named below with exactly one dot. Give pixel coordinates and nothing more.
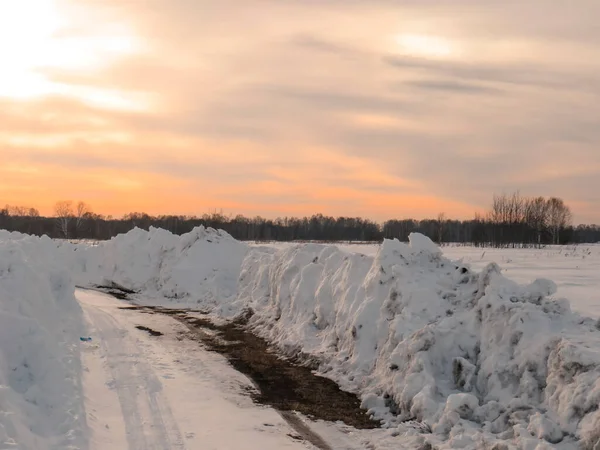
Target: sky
(380, 108)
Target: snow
(574, 268)
(150, 393)
(450, 347)
(41, 402)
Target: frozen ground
(447, 354)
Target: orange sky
(376, 109)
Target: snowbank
(41, 404)
(11, 235)
(199, 268)
(472, 359)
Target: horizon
(232, 215)
(357, 109)
(49, 212)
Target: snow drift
(472, 360)
(428, 340)
(41, 404)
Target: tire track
(147, 416)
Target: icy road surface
(159, 392)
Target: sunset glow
(373, 110)
(425, 45)
(32, 45)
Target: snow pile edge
(40, 369)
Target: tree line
(512, 220)
(526, 221)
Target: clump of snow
(421, 243)
(41, 404)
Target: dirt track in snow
(156, 391)
(281, 383)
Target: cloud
(269, 111)
(518, 74)
(319, 44)
(453, 86)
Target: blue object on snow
(85, 339)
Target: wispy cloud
(460, 87)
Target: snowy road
(151, 393)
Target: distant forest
(513, 220)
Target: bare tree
(441, 219)
(21, 211)
(18, 211)
(83, 211)
(528, 220)
(559, 217)
(495, 215)
(63, 211)
(538, 216)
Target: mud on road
(150, 331)
(283, 384)
(286, 385)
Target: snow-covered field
(447, 352)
